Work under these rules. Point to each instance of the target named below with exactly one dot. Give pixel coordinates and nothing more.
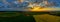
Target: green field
(33, 17)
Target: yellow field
(46, 18)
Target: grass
(15, 17)
(39, 17)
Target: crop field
(34, 17)
(46, 18)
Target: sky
(56, 1)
